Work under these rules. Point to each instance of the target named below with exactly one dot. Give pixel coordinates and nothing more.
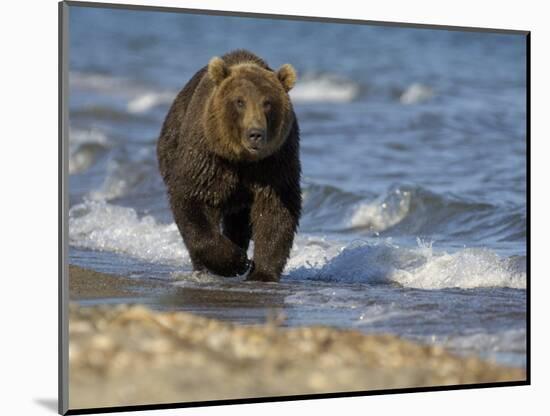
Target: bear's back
(167, 145)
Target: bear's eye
(267, 105)
(239, 102)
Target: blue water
(413, 151)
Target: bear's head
(249, 113)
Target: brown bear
(229, 155)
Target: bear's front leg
(274, 220)
(236, 227)
(209, 249)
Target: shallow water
(414, 172)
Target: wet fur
(220, 196)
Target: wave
(311, 88)
(420, 267)
(314, 88)
(108, 84)
(85, 146)
(324, 206)
(405, 210)
(80, 136)
(140, 98)
(329, 208)
(384, 212)
(416, 93)
(324, 88)
(98, 225)
(413, 210)
(149, 100)
(122, 178)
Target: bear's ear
(217, 70)
(287, 76)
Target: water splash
(99, 225)
(383, 213)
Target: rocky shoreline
(124, 354)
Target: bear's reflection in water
(243, 306)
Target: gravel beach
(122, 354)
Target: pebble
(147, 357)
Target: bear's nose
(256, 136)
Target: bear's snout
(256, 137)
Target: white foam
(416, 93)
(80, 136)
(469, 268)
(99, 225)
(83, 148)
(324, 88)
(81, 159)
(421, 267)
(382, 213)
(141, 98)
(147, 101)
(311, 252)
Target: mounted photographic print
(261, 208)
